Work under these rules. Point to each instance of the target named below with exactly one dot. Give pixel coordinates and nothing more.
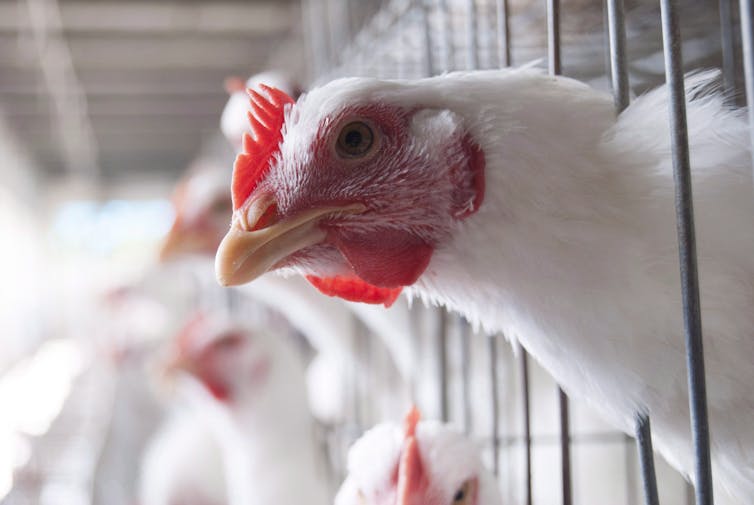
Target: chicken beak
(245, 255)
(176, 243)
(177, 364)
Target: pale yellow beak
(177, 243)
(245, 255)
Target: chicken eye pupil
(355, 140)
(459, 495)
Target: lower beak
(245, 255)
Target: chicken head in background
(202, 204)
(201, 199)
(420, 463)
(233, 362)
(467, 190)
(253, 397)
(234, 122)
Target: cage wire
(495, 393)
(513, 411)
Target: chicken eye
(355, 140)
(463, 495)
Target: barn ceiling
(111, 88)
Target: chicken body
(566, 243)
(253, 399)
(183, 465)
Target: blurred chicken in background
(251, 393)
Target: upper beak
(244, 255)
(177, 363)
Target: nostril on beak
(268, 218)
(260, 213)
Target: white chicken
(423, 463)
(521, 201)
(202, 207)
(253, 399)
(183, 464)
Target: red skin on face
(398, 250)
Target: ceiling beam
(111, 17)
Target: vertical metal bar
(646, 460)
(524, 358)
(447, 35)
(606, 42)
(463, 334)
(355, 375)
(565, 447)
(617, 33)
(442, 362)
(553, 36)
(747, 42)
(687, 252)
(472, 49)
(429, 64)
(554, 68)
(619, 73)
(495, 404)
(503, 34)
(729, 55)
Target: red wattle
(385, 258)
(354, 289)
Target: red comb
(410, 421)
(266, 119)
(411, 478)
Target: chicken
(253, 400)
(521, 201)
(182, 465)
(426, 463)
(202, 205)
